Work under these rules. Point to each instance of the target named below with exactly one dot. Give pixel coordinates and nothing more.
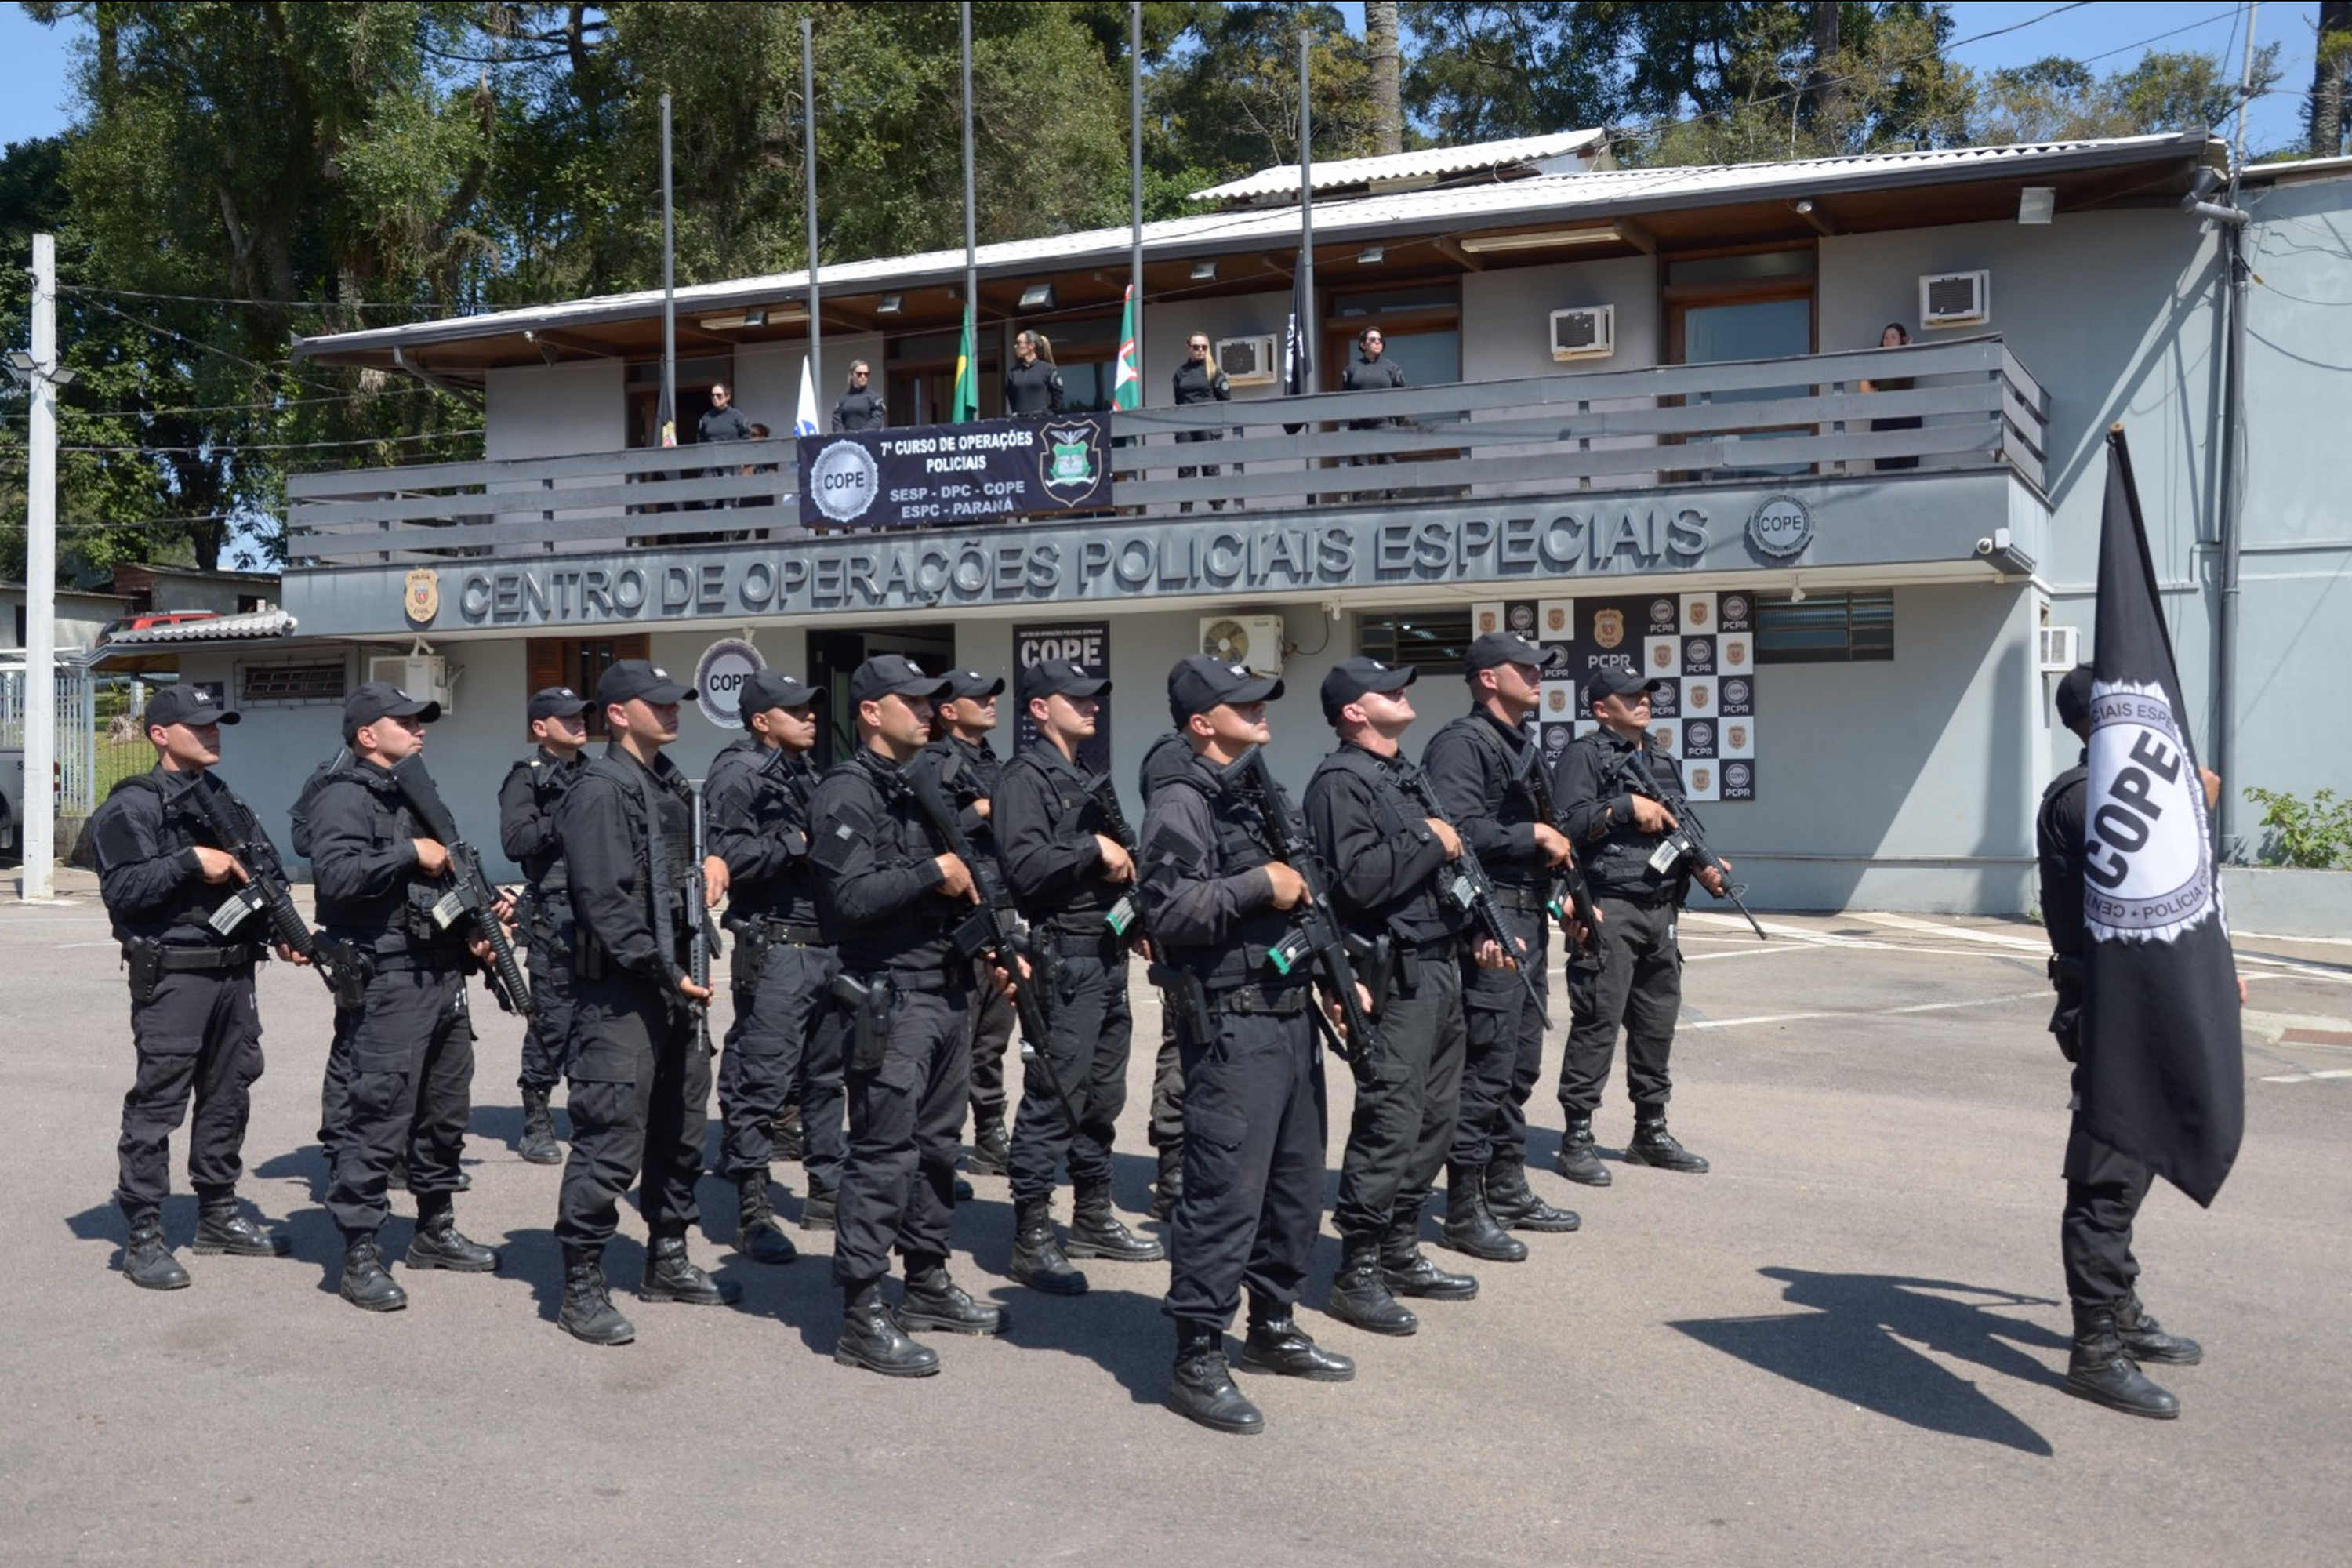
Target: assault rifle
(993, 931)
(698, 909)
(1464, 883)
(267, 891)
(1317, 936)
(1685, 847)
(1125, 913)
(1572, 895)
(469, 898)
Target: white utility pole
(40, 837)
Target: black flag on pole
(2164, 1063)
(1299, 345)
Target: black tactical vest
(1240, 845)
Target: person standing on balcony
(1033, 386)
(1199, 379)
(722, 421)
(1371, 371)
(1895, 335)
(528, 800)
(860, 407)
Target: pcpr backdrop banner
(949, 474)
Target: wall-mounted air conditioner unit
(1954, 299)
(2062, 649)
(1587, 332)
(1252, 640)
(1250, 362)
(425, 676)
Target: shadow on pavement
(1853, 1347)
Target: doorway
(834, 656)
(1755, 304)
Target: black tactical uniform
(640, 1074)
(1034, 388)
(758, 813)
(1477, 766)
(902, 1010)
(410, 1039)
(860, 409)
(1047, 821)
(1634, 975)
(194, 1022)
(726, 424)
(528, 800)
(1203, 381)
(335, 1088)
(1254, 1108)
(967, 772)
(1371, 375)
(1167, 757)
(1385, 862)
(2104, 1187)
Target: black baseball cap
(1613, 682)
(1351, 678)
(374, 699)
(894, 674)
(2073, 697)
(185, 705)
(636, 678)
(1061, 678)
(1505, 647)
(556, 702)
(769, 688)
(1202, 683)
(971, 685)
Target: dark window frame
(1824, 629)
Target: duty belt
(791, 933)
(1084, 941)
(932, 982)
(194, 959)
(1646, 899)
(1285, 1000)
(1519, 901)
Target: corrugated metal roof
(219, 628)
(1429, 162)
(1592, 195)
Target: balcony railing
(1968, 404)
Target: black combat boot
(1170, 1185)
(935, 1302)
(1278, 1345)
(1202, 1388)
(786, 1137)
(1408, 1271)
(1578, 1161)
(1515, 1205)
(538, 1143)
(367, 1284)
(1653, 1145)
(1360, 1297)
(146, 1261)
(1097, 1232)
(2100, 1370)
(2144, 1338)
(1469, 1226)
(671, 1276)
(1039, 1261)
(991, 1151)
(816, 1209)
(221, 1228)
(438, 1244)
(871, 1338)
(588, 1310)
(757, 1236)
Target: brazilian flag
(963, 402)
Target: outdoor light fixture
(1037, 297)
(1372, 256)
(1480, 244)
(22, 362)
(1204, 271)
(2035, 203)
(891, 305)
(1804, 204)
(750, 318)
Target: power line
(93, 289)
(271, 407)
(215, 450)
(282, 368)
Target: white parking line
(2309, 1077)
(1869, 1013)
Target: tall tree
(2331, 79)
(1382, 59)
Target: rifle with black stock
(1464, 883)
(268, 890)
(993, 931)
(1317, 937)
(1686, 845)
(470, 897)
(705, 943)
(1572, 895)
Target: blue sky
(34, 59)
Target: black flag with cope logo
(2164, 1063)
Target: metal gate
(97, 736)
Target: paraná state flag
(1127, 384)
(2163, 1060)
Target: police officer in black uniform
(1068, 876)
(1386, 855)
(193, 1021)
(961, 760)
(410, 1041)
(895, 898)
(640, 1076)
(860, 407)
(1254, 1098)
(1200, 379)
(1032, 383)
(1166, 757)
(758, 791)
(1634, 975)
(2104, 1187)
(528, 799)
(1477, 764)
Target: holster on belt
(751, 944)
(870, 1004)
(1182, 993)
(1381, 965)
(144, 958)
(354, 966)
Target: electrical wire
(94, 289)
(213, 450)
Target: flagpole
(1305, 200)
(669, 290)
(971, 225)
(1135, 177)
(808, 137)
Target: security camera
(1984, 546)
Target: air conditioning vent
(1252, 640)
(2062, 649)
(1954, 299)
(1587, 332)
(425, 676)
(1249, 362)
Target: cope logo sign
(2147, 860)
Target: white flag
(804, 423)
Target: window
(1825, 628)
(291, 683)
(1434, 640)
(578, 663)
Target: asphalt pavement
(1844, 1344)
